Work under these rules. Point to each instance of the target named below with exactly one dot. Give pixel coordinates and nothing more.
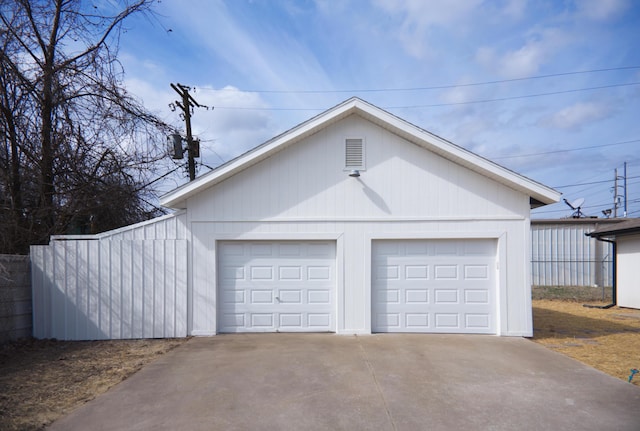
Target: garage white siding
(276, 286)
(628, 256)
(282, 238)
(444, 285)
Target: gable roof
(539, 193)
(627, 227)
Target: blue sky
(267, 65)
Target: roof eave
(540, 194)
(615, 234)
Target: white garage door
(276, 286)
(443, 286)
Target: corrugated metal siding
(562, 255)
(88, 290)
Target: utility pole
(186, 105)
(616, 196)
(615, 193)
(624, 186)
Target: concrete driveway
(378, 382)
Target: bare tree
(76, 149)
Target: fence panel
(562, 255)
(90, 289)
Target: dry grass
(572, 293)
(42, 380)
(608, 340)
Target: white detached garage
(355, 222)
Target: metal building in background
(562, 255)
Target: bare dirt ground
(42, 380)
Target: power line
(437, 105)
(434, 87)
(565, 151)
(501, 99)
(589, 183)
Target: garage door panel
(322, 273)
(232, 320)
(390, 320)
(262, 320)
(445, 272)
(433, 286)
(388, 272)
(261, 273)
(447, 320)
(289, 250)
(416, 296)
(481, 321)
(276, 286)
(446, 296)
(318, 320)
(476, 296)
(416, 272)
(261, 297)
(232, 273)
(290, 273)
(318, 297)
(476, 272)
(290, 296)
(418, 321)
(261, 249)
(389, 296)
(290, 320)
(232, 297)
(324, 250)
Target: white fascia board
(177, 198)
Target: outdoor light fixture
(354, 173)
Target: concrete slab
(378, 382)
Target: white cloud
(231, 129)
(461, 94)
(419, 16)
(528, 58)
(515, 9)
(601, 10)
(578, 115)
(524, 61)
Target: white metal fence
(92, 289)
(562, 254)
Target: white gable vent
(354, 154)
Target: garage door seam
(375, 380)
